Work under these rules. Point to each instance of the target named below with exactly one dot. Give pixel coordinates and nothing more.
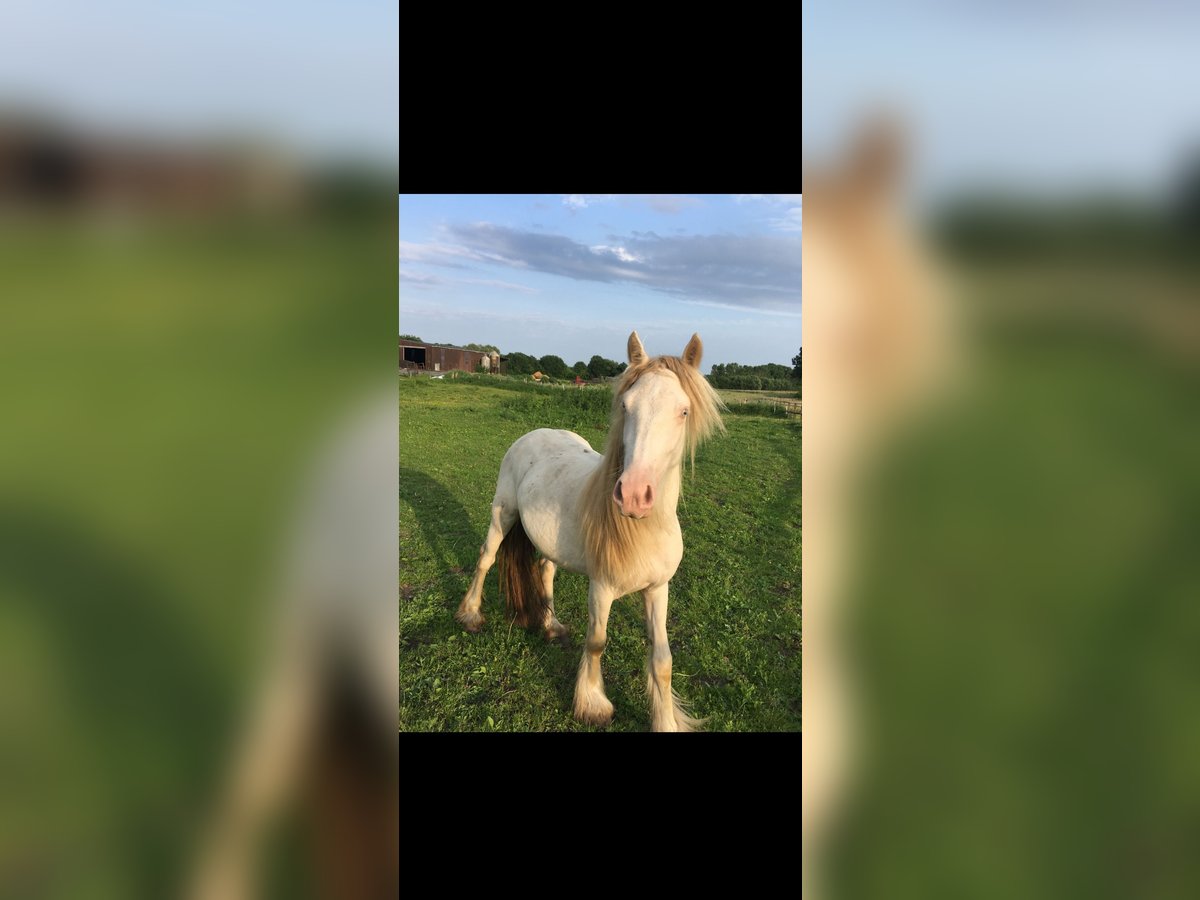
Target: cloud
(744, 272)
(417, 279)
(663, 203)
(421, 280)
(769, 198)
(503, 285)
(581, 201)
(789, 220)
(667, 203)
(434, 252)
(620, 252)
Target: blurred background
(197, 263)
(1015, 576)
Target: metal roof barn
(443, 358)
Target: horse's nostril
(649, 495)
(618, 492)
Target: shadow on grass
(452, 541)
(445, 526)
(134, 681)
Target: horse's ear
(693, 351)
(876, 160)
(637, 353)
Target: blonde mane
(613, 542)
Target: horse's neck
(670, 487)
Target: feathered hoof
(558, 633)
(594, 711)
(473, 622)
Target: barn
(444, 358)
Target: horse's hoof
(560, 635)
(599, 720)
(595, 714)
(473, 624)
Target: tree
(796, 364)
(411, 337)
(767, 377)
(521, 364)
(580, 368)
(599, 367)
(483, 348)
(555, 367)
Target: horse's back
(538, 447)
(549, 440)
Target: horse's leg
(468, 611)
(591, 706)
(554, 629)
(667, 713)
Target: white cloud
(440, 254)
(768, 198)
(789, 221)
(663, 203)
(492, 282)
(619, 252)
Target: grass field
(167, 385)
(734, 621)
(750, 396)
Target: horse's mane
(613, 542)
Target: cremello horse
(881, 336)
(610, 517)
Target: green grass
(734, 621)
(742, 396)
(1024, 626)
(167, 385)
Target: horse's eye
(685, 412)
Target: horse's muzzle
(636, 499)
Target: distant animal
(609, 516)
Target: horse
(610, 516)
(881, 334)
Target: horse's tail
(526, 603)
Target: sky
(573, 274)
(317, 77)
(1053, 97)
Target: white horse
(610, 517)
(880, 335)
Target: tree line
(732, 376)
(768, 377)
(556, 367)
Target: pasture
(734, 619)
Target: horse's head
(875, 314)
(656, 397)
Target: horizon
(706, 364)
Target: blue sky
(1053, 97)
(318, 77)
(573, 274)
